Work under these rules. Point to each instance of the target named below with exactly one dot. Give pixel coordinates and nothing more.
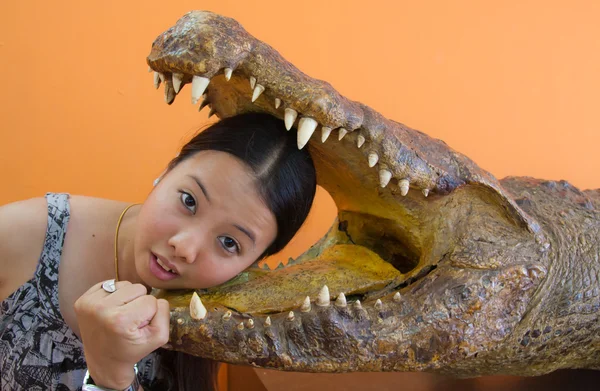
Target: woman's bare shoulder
(23, 227)
(22, 233)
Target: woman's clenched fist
(119, 329)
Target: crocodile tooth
(397, 297)
(373, 159)
(197, 309)
(384, 177)
(290, 118)
(404, 186)
(177, 80)
(250, 324)
(357, 305)
(341, 300)
(378, 304)
(240, 326)
(227, 316)
(205, 102)
(169, 93)
(425, 192)
(306, 128)
(228, 72)
(290, 315)
(342, 133)
(259, 89)
(149, 68)
(325, 132)
(277, 103)
(306, 305)
(323, 298)
(252, 82)
(156, 80)
(199, 85)
(360, 140)
(268, 321)
(211, 112)
(161, 76)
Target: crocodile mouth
(404, 202)
(384, 191)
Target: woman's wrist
(113, 377)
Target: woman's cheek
(160, 222)
(216, 275)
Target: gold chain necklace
(117, 241)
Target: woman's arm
(22, 233)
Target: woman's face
(204, 220)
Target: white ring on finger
(109, 286)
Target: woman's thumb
(160, 323)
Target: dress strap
(47, 269)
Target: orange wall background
(514, 85)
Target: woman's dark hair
(286, 180)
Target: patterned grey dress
(38, 351)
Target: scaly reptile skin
(432, 263)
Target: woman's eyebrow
(201, 186)
(247, 232)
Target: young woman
(237, 192)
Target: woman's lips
(158, 271)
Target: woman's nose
(186, 246)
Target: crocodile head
(430, 264)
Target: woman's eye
(188, 201)
(229, 244)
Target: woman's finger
(125, 294)
(139, 312)
(159, 325)
(96, 292)
(98, 286)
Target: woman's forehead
(217, 161)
